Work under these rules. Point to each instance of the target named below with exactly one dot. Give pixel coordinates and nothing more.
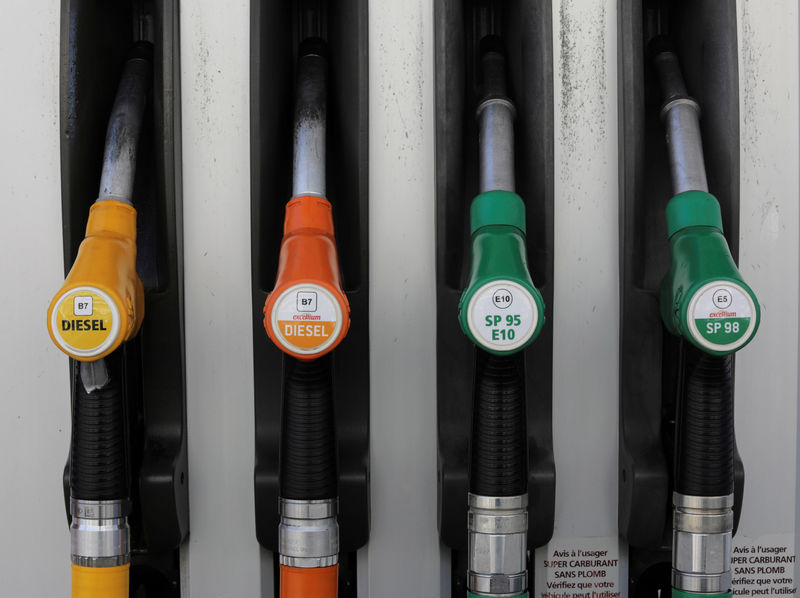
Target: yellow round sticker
(85, 322)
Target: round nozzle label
(85, 322)
(306, 319)
(502, 315)
(721, 316)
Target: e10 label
(504, 328)
(502, 315)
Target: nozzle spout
(681, 115)
(124, 127)
(495, 121)
(309, 120)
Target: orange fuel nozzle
(307, 313)
(101, 303)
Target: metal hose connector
(498, 545)
(701, 543)
(308, 535)
(99, 532)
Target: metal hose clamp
(100, 533)
(701, 543)
(308, 536)
(498, 544)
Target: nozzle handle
(307, 313)
(101, 303)
(501, 310)
(704, 298)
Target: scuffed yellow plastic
(107, 261)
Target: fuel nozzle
(704, 298)
(99, 306)
(101, 303)
(705, 301)
(307, 313)
(501, 310)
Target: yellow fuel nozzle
(101, 303)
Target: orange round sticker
(84, 322)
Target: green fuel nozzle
(501, 310)
(704, 298)
(705, 301)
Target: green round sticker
(721, 316)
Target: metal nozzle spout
(309, 120)
(495, 122)
(125, 125)
(681, 115)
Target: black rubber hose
(499, 455)
(308, 438)
(704, 446)
(98, 461)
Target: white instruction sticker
(764, 566)
(502, 315)
(578, 568)
(306, 319)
